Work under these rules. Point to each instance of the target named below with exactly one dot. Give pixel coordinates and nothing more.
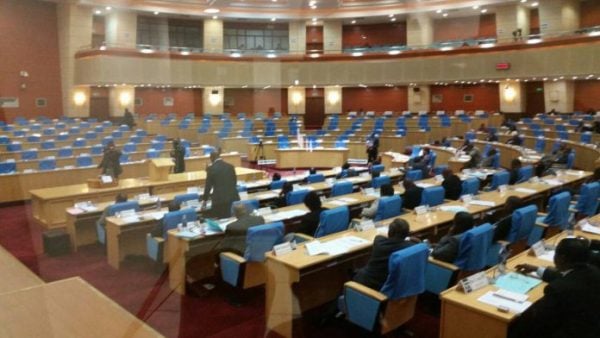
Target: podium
(96, 183)
(159, 169)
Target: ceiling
(300, 9)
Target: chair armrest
(157, 239)
(301, 238)
(445, 265)
(366, 291)
(541, 225)
(232, 256)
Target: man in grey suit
(220, 187)
(235, 234)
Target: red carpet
(134, 287)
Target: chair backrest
(48, 163)
(381, 180)
(341, 188)
(496, 161)
(129, 147)
(525, 173)
(79, 142)
(332, 221)
(406, 276)
(414, 175)
(558, 210)
(186, 197)
(84, 161)
(470, 186)
(523, 220)
(151, 153)
(8, 166)
(29, 154)
(296, 196)
(314, 178)
(500, 178)
(118, 207)
(432, 158)
(260, 239)
(65, 152)
(48, 144)
(570, 160)
(378, 168)
(173, 218)
(277, 184)
(388, 206)
(433, 196)
(587, 203)
(251, 205)
(473, 248)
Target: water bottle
(503, 258)
(158, 203)
(184, 221)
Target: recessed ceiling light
(393, 19)
(235, 55)
(185, 52)
(356, 54)
(574, 77)
(484, 10)
(147, 50)
(211, 10)
(102, 47)
(156, 13)
(296, 82)
(271, 55)
(273, 19)
(314, 55)
(312, 3)
(394, 52)
(438, 11)
(523, 1)
(534, 41)
(445, 49)
(487, 45)
(353, 22)
(535, 4)
(108, 8)
(476, 7)
(215, 17)
(314, 19)
(391, 15)
(445, 15)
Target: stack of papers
(526, 191)
(483, 203)
(552, 181)
(282, 215)
(424, 185)
(505, 300)
(587, 227)
(452, 208)
(334, 247)
(516, 282)
(155, 215)
(547, 256)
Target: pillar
(559, 95)
(512, 97)
(558, 15)
(121, 29)
(212, 100)
(419, 30)
(419, 98)
(296, 100)
(297, 37)
(332, 36)
(509, 18)
(121, 98)
(213, 36)
(333, 100)
(74, 31)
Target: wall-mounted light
(333, 97)
(79, 98)
(214, 98)
(509, 93)
(124, 99)
(296, 98)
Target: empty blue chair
(174, 218)
(540, 144)
(4, 139)
(558, 211)
(151, 153)
(314, 178)
(124, 158)
(381, 180)
(49, 131)
(106, 140)
(74, 131)
(106, 124)
(182, 198)
(251, 205)
(129, 147)
(96, 149)
(90, 135)
(499, 178)
(587, 204)
(296, 196)
(525, 173)
(79, 142)
(48, 163)
(62, 136)
(586, 137)
(117, 134)
(14, 146)
(48, 144)
(84, 160)
(140, 133)
(341, 188)
(8, 166)
(111, 211)
(65, 152)
(388, 206)
(523, 221)
(99, 129)
(18, 133)
(470, 186)
(395, 303)
(33, 138)
(378, 168)
(276, 184)
(332, 221)
(432, 196)
(249, 271)
(136, 139)
(414, 175)
(29, 154)
(157, 145)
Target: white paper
(334, 247)
(547, 256)
(130, 219)
(590, 228)
(483, 203)
(337, 202)
(155, 215)
(424, 185)
(453, 208)
(551, 181)
(526, 191)
(493, 300)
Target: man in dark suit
(412, 194)
(178, 155)
(235, 234)
(452, 185)
(571, 300)
(221, 187)
(374, 274)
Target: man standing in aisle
(221, 184)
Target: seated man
(452, 184)
(235, 234)
(374, 274)
(371, 211)
(412, 194)
(310, 221)
(446, 249)
(561, 155)
(474, 154)
(503, 218)
(571, 300)
(488, 161)
(158, 228)
(515, 165)
(422, 162)
(120, 198)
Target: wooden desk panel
(14, 274)
(318, 158)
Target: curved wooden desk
(317, 158)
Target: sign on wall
(168, 101)
(9, 102)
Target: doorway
(315, 112)
(534, 98)
(99, 105)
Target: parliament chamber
(291, 168)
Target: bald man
(235, 234)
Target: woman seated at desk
(310, 221)
(370, 212)
(281, 200)
(446, 250)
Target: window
(269, 37)
(169, 32)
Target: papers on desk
(424, 185)
(526, 191)
(334, 247)
(482, 203)
(156, 215)
(343, 201)
(267, 195)
(452, 208)
(517, 283)
(86, 206)
(502, 299)
(547, 256)
(587, 227)
(130, 219)
(574, 172)
(552, 181)
(283, 215)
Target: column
(121, 98)
(296, 100)
(558, 15)
(509, 18)
(297, 37)
(419, 98)
(332, 36)
(74, 31)
(333, 100)
(559, 95)
(121, 29)
(213, 36)
(512, 97)
(212, 100)
(419, 30)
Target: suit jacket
(569, 308)
(514, 176)
(235, 234)
(178, 154)
(453, 187)
(447, 249)
(110, 163)
(502, 228)
(374, 274)
(221, 188)
(412, 197)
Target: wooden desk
(67, 308)
(318, 158)
(14, 274)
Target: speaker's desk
(67, 308)
(315, 158)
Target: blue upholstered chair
(65, 152)
(276, 184)
(332, 221)
(525, 173)
(540, 144)
(49, 131)
(296, 196)
(129, 147)
(432, 196)
(34, 138)
(379, 181)
(414, 175)
(48, 144)
(558, 211)
(48, 163)
(378, 168)
(388, 206)
(249, 271)
(470, 186)
(113, 210)
(182, 198)
(499, 178)
(496, 161)
(384, 310)
(8, 166)
(84, 160)
(570, 160)
(157, 145)
(79, 142)
(29, 154)
(586, 137)
(438, 170)
(314, 178)
(155, 245)
(152, 153)
(14, 146)
(587, 204)
(90, 135)
(523, 223)
(341, 188)
(96, 149)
